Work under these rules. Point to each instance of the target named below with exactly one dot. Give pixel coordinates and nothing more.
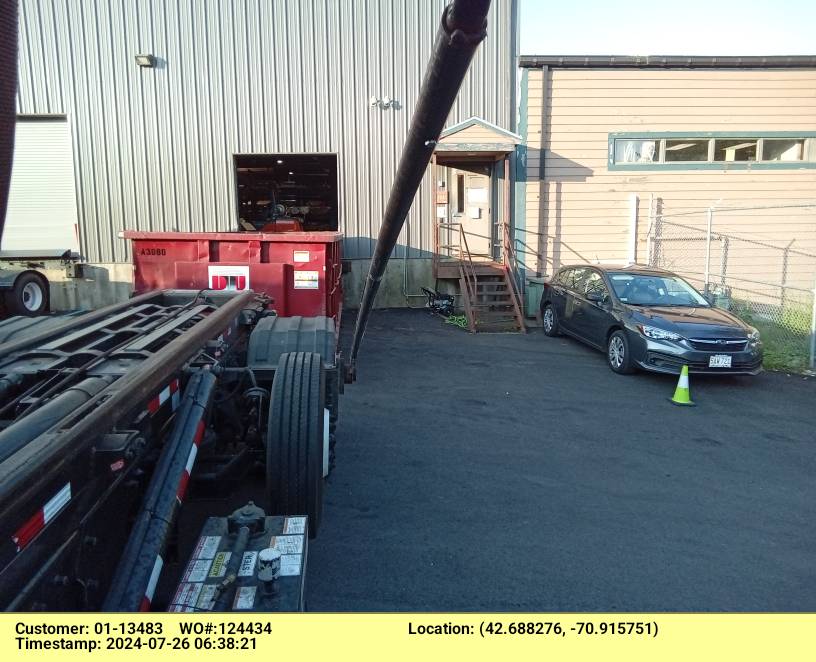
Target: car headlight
(658, 334)
(753, 335)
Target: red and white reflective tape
(169, 392)
(158, 564)
(37, 522)
(191, 458)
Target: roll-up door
(42, 209)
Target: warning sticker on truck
(244, 598)
(185, 598)
(197, 570)
(247, 568)
(295, 525)
(306, 280)
(207, 547)
(219, 564)
(290, 565)
(287, 544)
(206, 600)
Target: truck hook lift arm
(462, 29)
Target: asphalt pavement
(506, 472)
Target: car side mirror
(595, 297)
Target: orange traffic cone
(682, 395)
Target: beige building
(706, 166)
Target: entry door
(472, 207)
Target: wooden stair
(490, 298)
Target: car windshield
(654, 290)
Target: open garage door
(42, 209)
(282, 192)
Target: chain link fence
(738, 257)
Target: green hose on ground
(457, 320)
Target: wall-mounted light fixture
(383, 103)
(146, 60)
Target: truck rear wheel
(296, 436)
(29, 296)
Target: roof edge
(668, 61)
(474, 120)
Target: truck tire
(29, 296)
(295, 438)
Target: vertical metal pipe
(649, 258)
(813, 329)
(709, 225)
(461, 30)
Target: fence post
(707, 275)
(633, 227)
(649, 231)
(813, 329)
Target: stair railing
(468, 269)
(511, 261)
(458, 250)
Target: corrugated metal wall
(153, 148)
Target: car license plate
(719, 361)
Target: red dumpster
(301, 271)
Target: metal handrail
(470, 279)
(511, 261)
(464, 258)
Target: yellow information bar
(416, 637)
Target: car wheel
(549, 321)
(29, 296)
(618, 355)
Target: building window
(739, 149)
(686, 150)
(637, 151)
(783, 149)
(675, 150)
(460, 194)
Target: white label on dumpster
(287, 544)
(244, 598)
(300, 256)
(207, 547)
(247, 568)
(290, 565)
(295, 525)
(306, 280)
(234, 278)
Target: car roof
(628, 268)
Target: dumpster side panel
(300, 271)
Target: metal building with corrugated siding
(154, 147)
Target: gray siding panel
(153, 148)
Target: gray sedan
(648, 318)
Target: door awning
(476, 137)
